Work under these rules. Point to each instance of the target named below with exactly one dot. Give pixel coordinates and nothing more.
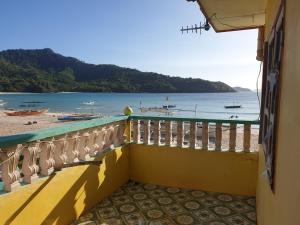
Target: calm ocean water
(209, 105)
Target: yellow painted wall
(227, 172)
(282, 207)
(62, 197)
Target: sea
(200, 105)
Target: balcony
(194, 171)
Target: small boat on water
(169, 106)
(232, 106)
(78, 117)
(2, 103)
(89, 103)
(26, 112)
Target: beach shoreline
(12, 125)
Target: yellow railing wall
(62, 197)
(281, 207)
(226, 172)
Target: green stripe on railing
(193, 119)
(12, 140)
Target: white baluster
(99, 142)
(121, 132)
(72, 150)
(47, 162)
(193, 128)
(205, 136)
(247, 137)
(108, 140)
(115, 136)
(218, 145)
(90, 143)
(146, 132)
(60, 156)
(180, 134)
(29, 166)
(136, 131)
(83, 150)
(232, 137)
(10, 173)
(156, 137)
(168, 137)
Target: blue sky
(141, 34)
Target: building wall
(62, 197)
(228, 172)
(282, 206)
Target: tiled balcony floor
(143, 204)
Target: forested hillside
(43, 70)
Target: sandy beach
(11, 125)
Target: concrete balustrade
(204, 134)
(42, 157)
(52, 149)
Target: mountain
(241, 89)
(43, 70)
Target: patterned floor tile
(149, 204)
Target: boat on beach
(26, 112)
(78, 117)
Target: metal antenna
(204, 26)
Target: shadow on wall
(94, 184)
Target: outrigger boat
(78, 117)
(27, 112)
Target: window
(271, 83)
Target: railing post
(72, 151)
(168, 137)
(193, 127)
(247, 137)
(47, 162)
(136, 131)
(205, 136)
(83, 153)
(180, 134)
(29, 166)
(10, 174)
(156, 137)
(146, 132)
(232, 137)
(218, 145)
(128, 130)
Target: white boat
(2, 103)
(89, 103)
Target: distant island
(43, 70)
(241, 89)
